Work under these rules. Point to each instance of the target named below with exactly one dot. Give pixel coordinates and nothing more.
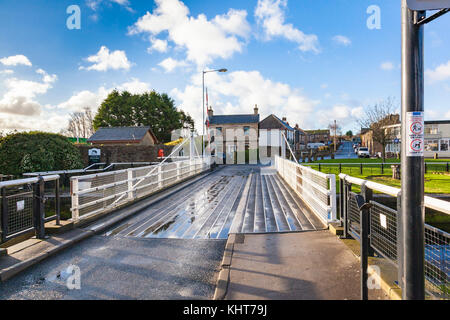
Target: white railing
(316, 189)
(97, 193)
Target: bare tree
(377, 117)
(81, 124)
(335, 129)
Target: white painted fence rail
(98, 193)
(316, 189)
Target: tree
(335, 129)
(122, 109)
(37, 151)
(81, 124)
(377, 117)
(349, 133)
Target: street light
(203, 105)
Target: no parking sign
(415, 135)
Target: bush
(37, 151)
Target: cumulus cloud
(92, 99)
(203, 39)
(94, 4)
(271, 16)
(345, 115)
(238, 92)
(20, 94)
(387, 66)
(170, 64)
(7, 71)
(158, 45)
(105, 60)
(342, 40)
(16, 60)
(440, 73)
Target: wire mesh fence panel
(353, 215)
(437, 262)
(383, 231)
(20, 211)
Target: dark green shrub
(37, 151)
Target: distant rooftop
(120, 134)
(234, 119)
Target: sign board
(383, 221)
(20, 205)
(428, 4)
(94, 156)
(415, 134)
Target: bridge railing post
(75, 200)
(39, 209)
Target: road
(345, 151)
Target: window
(246, 131)
(431, 145)
(433, 129)
(444, 145)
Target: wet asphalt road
(124, 268)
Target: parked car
(315, 145)
(363, 152)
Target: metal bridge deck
(236, 199)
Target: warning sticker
(415, 135)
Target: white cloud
(16, 60)
(440, 73)
(20, 94)
(324, 85)
(387, 66)
(343, 40)
(342, 113)
(94, 4)
(447, 115)
(270, 14)
(92, 100)
(7, 71)
(170, 64)
(238, 92)
(104, 60)
(158, 45)
(203, 39)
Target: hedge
(37, 151)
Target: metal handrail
(13, 183)
(430, 202)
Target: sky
(311, 61)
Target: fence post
(160, 177)
(130, 184)
(367, 195)
(332, 180)
(382, 168)
(364, 215)
(178, 170)
(361, 168)
(4, 215)
(57, 202)
(39, 212)
(341, 201)
(399, 241)
(340, 167)
(448, 167)
(426, 169)
(75, 201)
(320, 168)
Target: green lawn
(367, 160)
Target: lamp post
(203, 105)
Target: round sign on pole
(420, 5)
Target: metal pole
(203, 110)
(4, 214)
(412, 167)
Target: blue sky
(312, 61)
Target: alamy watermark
(74, 20)
(73, 282)
(374, 20)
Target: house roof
(437, 122)
(273, 122)
(234, 119)
(322, 131)
(121, 134)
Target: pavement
(123, 268)
(312, 265)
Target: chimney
(210, 112)
(296, 126)
(284, 119)
(255, 110)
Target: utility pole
(335, 129)
(412, 160)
